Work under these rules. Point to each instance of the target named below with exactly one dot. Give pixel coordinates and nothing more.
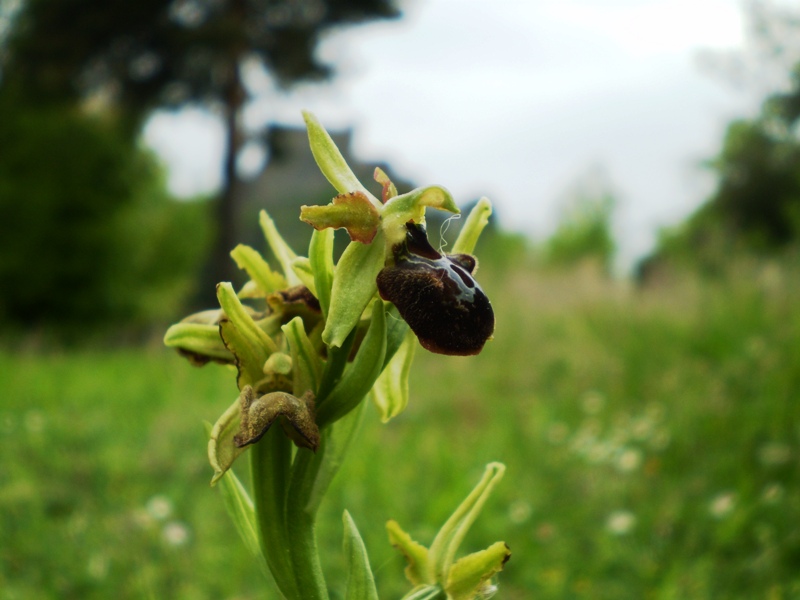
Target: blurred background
(643, 383)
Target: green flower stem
(270, 462)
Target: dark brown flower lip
(437, 296)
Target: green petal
(471, 574)
(353, 212)
(267, 280)
(390, 392)
(476, 221)
(247, 341)
(199, 342)
(320, 256)
(360, 582)
(445, 545)
(330, 160)
(353, 288)
(302, 268)
(306, 363)
(411, 207)
(283, 253)
(222, 451)
(417, 570)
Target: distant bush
(583, 234)
(90, 235)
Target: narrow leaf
(476, 221)
(283, 253)
(425, 592)
(445, 545)
(417, 570)
(390, 392)
(360, 376)
(330, 160)
(360, 582)
(267, 280)
(472, 574)
(353, 288)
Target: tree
(148, 54)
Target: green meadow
(651, 438)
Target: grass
(652, 440)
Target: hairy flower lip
(437, 296)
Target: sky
(520, 101)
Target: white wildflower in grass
(772, 494)
(621, 522)
(722, 505)
(159, 507)
(175, 533)
(592, 402)
(774, 454)
(519, 511)
(629, 460)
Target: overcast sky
(516, 101)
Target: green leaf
(445, 545)
(411, 207)
(390, 392)
(222, 451)
(320, 256)
(353, 212)
(306, 363)
(283, 253)
(267, 280)
(353, 288)
(471, 574)
(476, 221)
(243, 337)
(360, 376)
(330, 160)
(360, 582)
(199, 341)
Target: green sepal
(360, 376)
(200, 343)
(302, 268)
(306, 363)
(447, 541)
(425, 592)
(320, 257)
(390, 392)
(470, 576)
(267, 280)
(330, 160)
(389, 190)
(476, 221)
(417, 570)
(222, 451)
(360, 582)
(352, 211)
(411, 207)
(243, 337)
(283, 253)
(353, 288)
